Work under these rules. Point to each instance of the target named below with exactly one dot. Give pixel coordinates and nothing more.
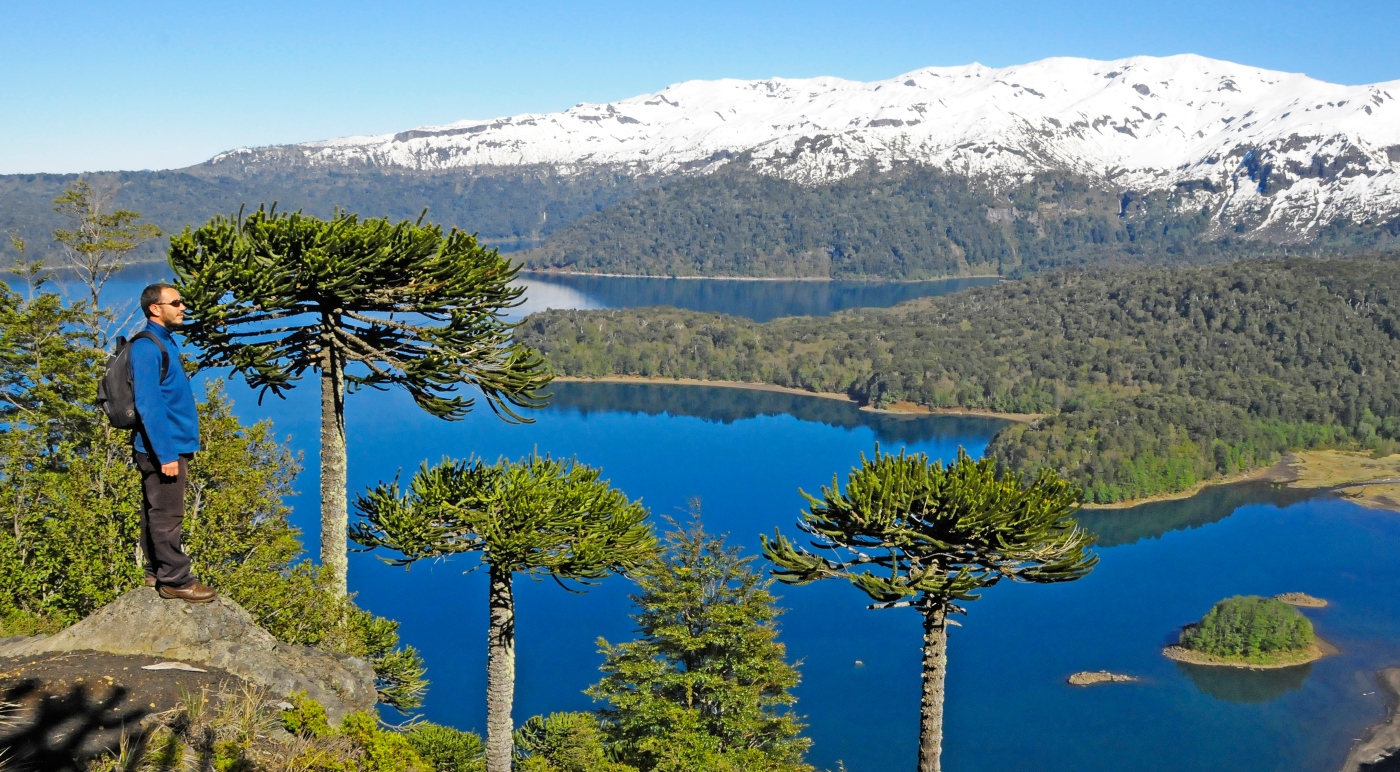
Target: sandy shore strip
(1357, 476)
(1313, 653)
(908, 409)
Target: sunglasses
(176, 303)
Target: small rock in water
(1088, 678)
(1301, 599)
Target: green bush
(306, 717)
(447, 749)
(1249, 627)
(382, 750)
(563, 742)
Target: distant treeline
(509, 208)
(1153, 379)
(910, 222)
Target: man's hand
(171, 469)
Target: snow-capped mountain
(1278, 151)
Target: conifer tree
(364, 304)
(915, 534)
(538, 517)
(706, 686)
(96, 244)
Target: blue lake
(745, 454)
(759, 300)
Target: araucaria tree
(706, 688)
(914, 533)
(538, 517)
(362, 303)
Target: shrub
(563, 742)
(1249, 627)
(447, 749)
(306, 717)
(383, 751)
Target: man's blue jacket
(169, 421)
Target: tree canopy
(364, 303)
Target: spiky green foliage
(1249, 627)
(706, 686)
(276, 294)
(905, 527)
(539, 516)
(364, 303)
(445, 748)
(563, 742)
(915, 533)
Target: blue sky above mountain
(162, 84)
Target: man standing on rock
(164, 442)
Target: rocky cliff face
(1277, 154)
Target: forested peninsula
(1153, 380)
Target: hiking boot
(194, 593)
(150, 581)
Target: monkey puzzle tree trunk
(334, 516)
(500, 673)
(931, 708)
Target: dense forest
(508, 208)
(1151, 379)
(910, 222)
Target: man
(163, 444)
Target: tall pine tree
(706, 687)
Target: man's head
(162, 304)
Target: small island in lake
(1250, 632)
(1089, 678)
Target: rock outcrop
(1089, 678)
(220, 634)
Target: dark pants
(162, 523)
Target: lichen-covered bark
(334, 514)
(931, 709)
(500, 673)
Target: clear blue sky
(133, 85)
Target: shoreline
(1274, 473)
(875, 280)
(769, 387)
(1317, 651)
(1352, 475)
(1381, 741)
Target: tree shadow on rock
(61, 731)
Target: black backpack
(116, 393)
